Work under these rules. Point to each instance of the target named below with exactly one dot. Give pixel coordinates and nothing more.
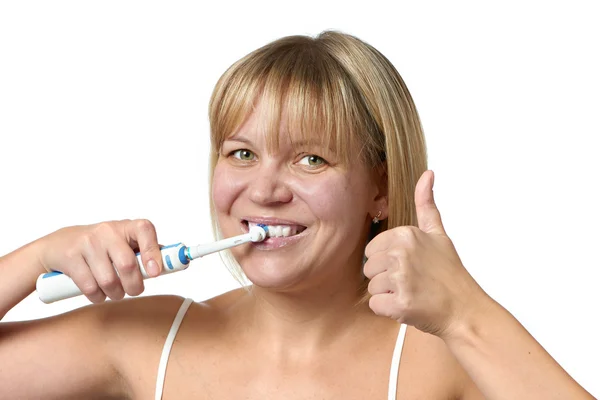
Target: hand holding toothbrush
(99, 260)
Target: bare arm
(18, 273)
(506, 362)
(43, 358)
(99, 258)
(68, 356)
(62, 357)
(418, 278)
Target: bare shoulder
(148, 319)
(429, 365)
(136, 330)
(146, 311)
(133, 332)
(81, 353)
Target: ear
(380, 199)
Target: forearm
(18, 273)
(506, 362)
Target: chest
(253, 379)
(204, 364)
(216, 373)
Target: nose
(269, 186)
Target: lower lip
(272, 243)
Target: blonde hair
(336, 89)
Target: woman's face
(318, 208)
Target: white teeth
(278, 230)
(275, 231)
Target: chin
(272, 275)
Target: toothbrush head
(258, 233)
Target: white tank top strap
(164, 357)
(395, 367)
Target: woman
(318, 139)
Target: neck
(305, 321)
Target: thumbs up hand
(416, 275)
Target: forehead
(278, 128)
(295, 90)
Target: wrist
(18, 274)
(471, 321)
(27, 258)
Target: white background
(103, 115)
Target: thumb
(428, 215)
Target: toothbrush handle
(55, 286)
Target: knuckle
(71, 254)
(398, 277)
(108, 282)
(407, 232)
(413, 230)
(368, 269)
(370, 287)
(369, 248)
(125, 264)
(399, 232)
(403, 303)
(89, 288)
(378, 258)
(398, 253)
(144, 225)
(104, 228)
(88, 240)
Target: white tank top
(164, 358)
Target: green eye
(312, 161)
(244, 155)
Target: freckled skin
(334, 202)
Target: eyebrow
(236, 138)
(302, 142)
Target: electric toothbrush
(55, 286)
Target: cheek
(332, 199)
(225, 189)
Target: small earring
(376, 219)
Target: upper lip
(271, 221)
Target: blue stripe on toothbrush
(168, 260)
(265, 228)
(50, 274)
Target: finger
(381, 283)
(125, 262)
(379, 243)
(81, 274)
(142, 234)
(391, 238)
(104, 273)
(383, 305)
(377, 264)
(428, 214)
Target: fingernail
(152, 268)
